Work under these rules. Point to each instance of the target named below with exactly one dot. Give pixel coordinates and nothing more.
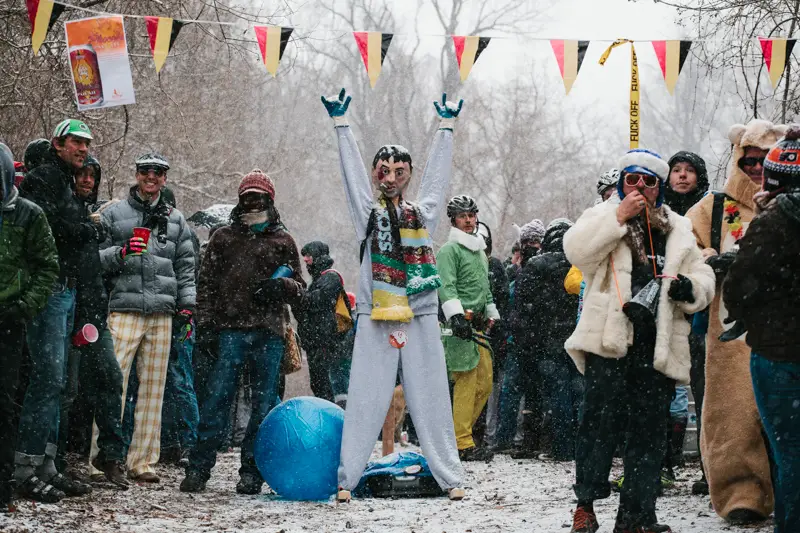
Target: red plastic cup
(88, 334)
(142, 233)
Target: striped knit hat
(782, 164)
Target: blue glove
(444, 110)
(337, 108)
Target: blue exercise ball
(297, 448)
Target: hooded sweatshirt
(28, 256)
(681, 203)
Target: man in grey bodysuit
(397, 301)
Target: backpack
(344, 317)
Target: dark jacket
(681, 203)
(28, 256)
(50, 186)
(762, 287)
(317, 311)
(160, 280)
(236, 261)
(91, 303)
(543, 314)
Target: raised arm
(439, 168)
(357, 185)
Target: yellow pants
(149, 337)
(471, 391)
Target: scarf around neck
(403, 263)
(638, 239)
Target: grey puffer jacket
(162, 280)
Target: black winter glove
(461, 328)
(497, 329)
(721, 263)
(270, 291)
(87, 232)
(680, 290)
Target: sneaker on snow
(584, 521)
(476, 454)
(654, 528)
(667, 479)
(616, 484)
(456, 494)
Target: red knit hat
(257, 181)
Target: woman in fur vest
(631, 365)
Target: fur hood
(757, 133)
(596, 245)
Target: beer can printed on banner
(86, 73)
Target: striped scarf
(402, 261)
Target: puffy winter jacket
(160, 280)
(544, 312)
(28, 256)
(50, 186)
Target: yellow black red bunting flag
(468, 50)
(569, 55)
(162, 31)
(272, 42)
(42, 14)
(671, 57)
(776, 55)
(373, 46)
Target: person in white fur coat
(631, 368)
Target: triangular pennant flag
(671, 56)
(373, 46)
(468, 50)
(272, 42)
(776, 55)
(42, 14)
(569, 55)
(162, 31)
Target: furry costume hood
(760, 134)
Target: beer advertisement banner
(98, 58)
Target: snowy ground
(505, 496)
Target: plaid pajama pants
(148, 338)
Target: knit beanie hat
(257, 181)
(641, 161)
(532, 231)
(782, 164)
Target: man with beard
(631, 355)
(397, 301)
(464, 269)
(734, 452)
(50, 185)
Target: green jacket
(28, 255)
(464, 270)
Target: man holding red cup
(149, 257)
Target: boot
(584, 521)
(249, 484)
(476, 454)
(700, 487)
(343, 496)
(194, 482)
(114, 472)
(677, 437)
